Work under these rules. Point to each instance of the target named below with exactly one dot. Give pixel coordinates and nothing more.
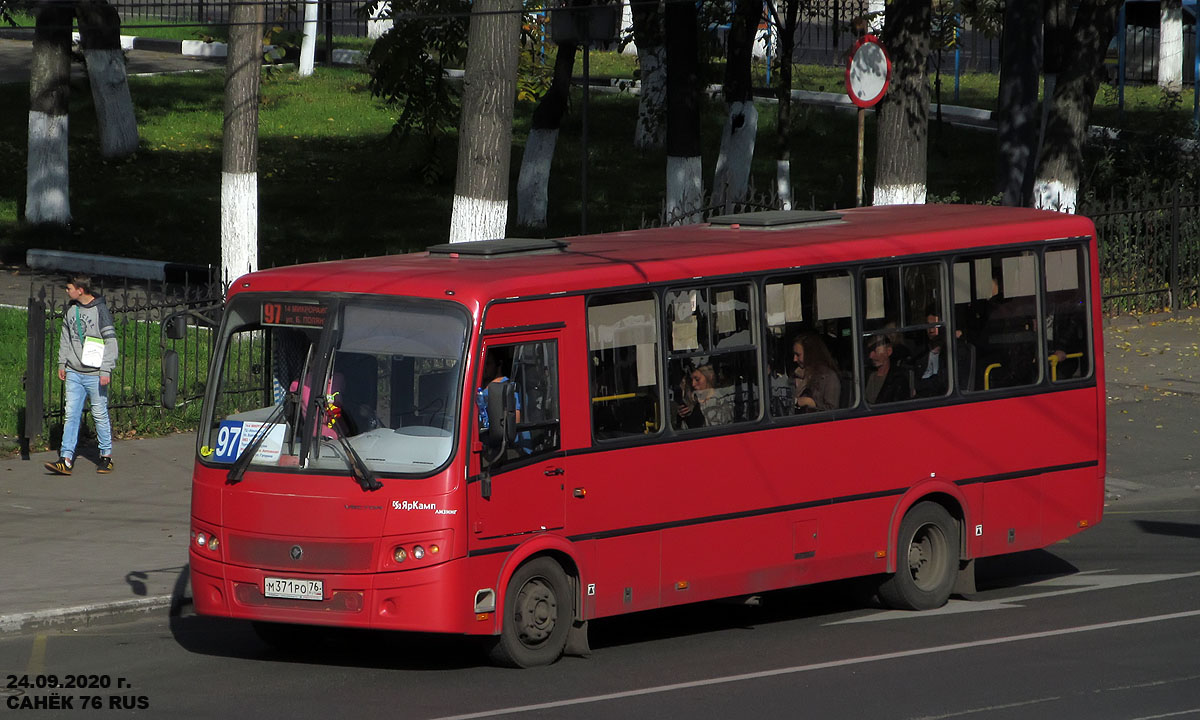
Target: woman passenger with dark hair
(817, 384)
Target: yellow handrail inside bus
(606, 398)
(987, 375)
(1054, 364)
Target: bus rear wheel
(537, 616)
(927, 560)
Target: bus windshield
(308, 381)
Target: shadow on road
(1173, 529)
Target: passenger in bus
(889, 382)
(493, 374)
(706, 399)
(929, 369)
(817, 384)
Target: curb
(82, 614)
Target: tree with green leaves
(408, 67)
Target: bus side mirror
(170, 378)
(502, 412)
(176, 327)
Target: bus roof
(631, 258)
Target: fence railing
(1149, 251)
(134, 395)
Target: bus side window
(1068, 352)
(532, 371)
(809, 310)
(712, 367)
(623, 356)
(995, 301)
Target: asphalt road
(1101, 626)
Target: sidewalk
(83, 548)
(80, 548)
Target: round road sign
(868, 71)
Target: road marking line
(900, 654)
(37, 655)
(990, 708)
(1193, 711)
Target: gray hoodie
(90, 320)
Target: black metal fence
(1149, 251)
(344, 16)
(134, 396)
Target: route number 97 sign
(868, 71)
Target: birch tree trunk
(783, 126)
(47, 191)
(485, 133)
(1170, 46)
(534, 180)
(1060, 167)
(651, 131)
(100, 34)
(239, 151)
(903, 125)
(731, 178)
(308, 46)
(1016, 106)
(685, 184)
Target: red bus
(510, 438)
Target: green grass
(332, 183)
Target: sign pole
(858, 178)
(868, 73)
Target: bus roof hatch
(775, 218)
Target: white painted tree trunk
(685, 190)
(477, 219)
(651, 129)
(876, 8)
(308, 46)
(378, 24)
(47, 198)
(534, 181)
(1170, 46)
(626, 29)
(114, 106)
(783, 183)
(913, 194)
(239, 225)
(1054, 194)
(731, 178)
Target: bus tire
(537, 616)
(926, 562)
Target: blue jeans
(78, 386)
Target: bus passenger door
(518, 485)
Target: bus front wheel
(537, 616)
(927, 560)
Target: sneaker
(105, 465)
(62, 466)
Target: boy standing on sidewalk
(87, 354)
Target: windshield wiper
(239, 466)
(362, 474)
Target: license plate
(293, 589)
